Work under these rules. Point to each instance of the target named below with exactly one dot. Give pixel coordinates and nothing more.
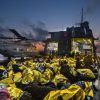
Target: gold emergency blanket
(87, 72)
(74, 92)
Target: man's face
(3, 96)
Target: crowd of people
(52, 77)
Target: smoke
(41, 25)
(39, 33)
(92, 6)
(38, 30)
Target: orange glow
(40, 46)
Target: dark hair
(16, 68)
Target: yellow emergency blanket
(47, 74)
(36, 75)
(17, 77)
(15, 93)
(71, 62)
(55, 67)
(22, 67)
(27, 76)
(60, 78)
(2, 68)
(43, 80)
(10, 74)
(74, 92)
(12, 62)
(87, 72)
(8, 82)
(27, 79)
(73, 71)
(88, 91)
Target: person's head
(4, 94)
(16, 68)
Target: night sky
(52, 15)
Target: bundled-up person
(27, 76)
(48, 74)
(11, 62)
(29, 63)
(3, 72)
(81, 90)
(56, 67)
(38, 92)
(18, 94)
(60, 79)
(71, 62)
(30, 76)
(88, 61)
(14, 92)
(17, 73)
(4, 94)
(85, 74)
(87, 88)
(73, 92)
(68, 72)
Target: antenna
(82, 16)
